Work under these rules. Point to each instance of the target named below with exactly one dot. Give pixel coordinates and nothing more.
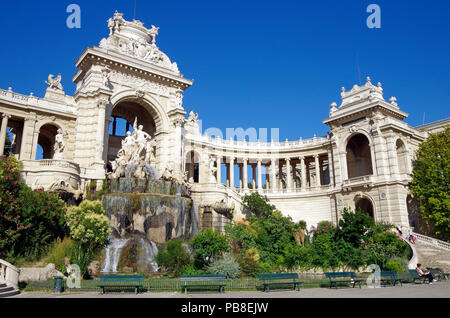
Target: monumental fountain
(145, 208)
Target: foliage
(190, 269)
(60, 249)
(30, 219)
(208, 246)
(354, 226)
(431, 182)
(227, 266)
(398, 264)
(258, 205)
(249, 262)
(89, 228)
(173, 256)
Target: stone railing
(432, 241)
(9, 274)
(219, 142)
(276, 191)
(65, 165)
(31, 100)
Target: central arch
(365, 205)
(126, 106)
(359, 158)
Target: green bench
(390, 277)
(438, 273)
(342, 277)
(415, 276)
(280, 279)
(203, 282)
(120, 282)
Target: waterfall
(150, 250)
(112, 254)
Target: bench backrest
(276, 276)
(198, 278)
(413, 273)
(392, 274)
(340, 274)
(122, 278)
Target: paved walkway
(436, 290)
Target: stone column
(317, 167)
(219, 170)
(101, 104)
(330, 165)
(3, 129)
(240, 176)
(254, 176)
(245, 160)
(303, 173)
(392, 155)
(231, 172)
(273, 171)
(259, 175)
(288, 174)
(27, 139)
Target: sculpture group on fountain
(138, 150)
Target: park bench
(438, 273)
(120, 282)
(342, 277)
(415, 276)
(280, 279)
(390, 277)
(203, 281)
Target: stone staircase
(432, 252)
(7, 291)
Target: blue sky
(262, 64)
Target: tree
(354, 226)
(89, 228)
(30, 220)
(208, 246)
(173, 256)
(431, 182)
(258, 205)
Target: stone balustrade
(432, 241)
(9, 274)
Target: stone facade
(365, 160)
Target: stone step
(6, 291)
(432, 256)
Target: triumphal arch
(127, 82)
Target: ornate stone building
(365, 160)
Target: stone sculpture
(53, 82)
(137, 152)
(59, 145)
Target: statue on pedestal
(59, 145)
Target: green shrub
(89, 229)
(398, 264)
(227, 266)
(190, 269)
(208, 246)
(30, 220)
(59, 250)
(173, 256)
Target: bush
(227, 266)
(208, 246)
(190, 269)
(30, 220)
(173, 256)
(398, 264)
(89, 228)
(249, 262)
(59, 250)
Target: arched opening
(192, 166)
(365, 205)
(122, 118)
(46, 141)
(359, 159)
(402, 157)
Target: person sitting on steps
(427, 274)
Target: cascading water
(112, 254)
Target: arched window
(359, 159)
(365, 206)
(46, 141)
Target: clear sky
(262, 64)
